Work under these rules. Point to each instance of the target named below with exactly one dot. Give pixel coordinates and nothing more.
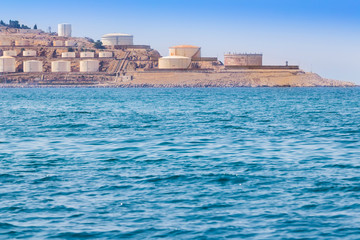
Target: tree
(24, 26)
(98, 45)
(2, 23)
(90, 39)
(14, 24)
(35, 26)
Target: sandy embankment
(245, 78)
(240, 78)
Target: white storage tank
(89, 66)
(64, 30)
(117, 39)
(5, 43)
(7, 64)
(29, 53)
(68, 55)
(22, 43)
(70, 43)
(61, 66)
(105, 54)
(174, 62)
(87, 54)
(58, 43)
(10, 53)
(192, 52)
(33, 66)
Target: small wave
(169, 178)
(77, 235)
(341, 166)
(120, 126)
(46, 179)
(214, 206)
(6, 225)
(82, 112)
(167, 143)
(112, 188)
(230, 180)
(334, 188)
(122, 149)
(68, 125)
(7, 176)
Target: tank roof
(117, 35)
(184, 46)
(6, 57)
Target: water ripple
(180, 163)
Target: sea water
(256, 163)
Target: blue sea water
(235, 163)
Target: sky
(322, 36)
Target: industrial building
(189, 51)
(105, 54)
(243, 60)
(29, 53)
(58, 43)
(87, 54)
(26, 31)
(68, 55)
(4, 43)
(117, 39)
(10, 53)
(64, 30)
(22, 43)
(89, 66)
(33, 66)
(174, 62)
(61, 66)
(7, 64)
(70, 43)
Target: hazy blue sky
(319, 35)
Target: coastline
(171, 79)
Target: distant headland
(31, 57)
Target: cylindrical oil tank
(105, 54)
(33, 66)
(89, 66)
(5, 42)
(61, 66)
(68, 55)
(242, 60)
(64, 30)
(58, 43)
(70, 43)
(7, 64)
(22, 43)
(192, 52)
(87, 54)
(29, 53)
(117, 39)
(10, 53)
(174, 62)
